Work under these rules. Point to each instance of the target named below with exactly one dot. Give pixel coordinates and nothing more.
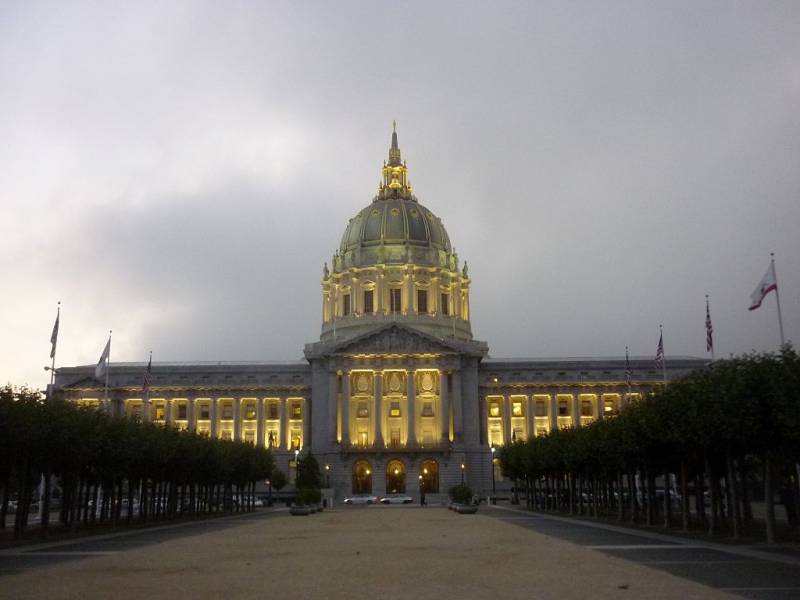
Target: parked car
(396, 499)
(361, 499)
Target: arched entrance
(362, 477)
(395, 477)
(429, 470)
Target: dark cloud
(180, 173)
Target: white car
(397, 499)
(361, 499)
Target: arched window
(429, 470)
(362, 477)
(395, 477)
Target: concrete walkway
(370, 552)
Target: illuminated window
(250, 436)
(427, 437)
(586, 408)
(422, 301)
(368, 302)
(395, 302)
(541, 408)
(495, 436)
(394, 437)
(363, 410)
(445, 306)
(563, 408)
(273, 411)
(295, 439)
(227, 411)
(249, 412)
(427, 409)
(363, 437)
(394, 409)
(494, 408)
(182, 411)
(518, 434)
(205, 412)
(345, 305)
(516, 408)
(541, 431)
(272, 438)
(297, 410)
(226, 434)
(160, 412)
(430, 477)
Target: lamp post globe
(494, 491)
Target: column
(167, 411)
(346, 409)
(553, 411)
(260, 422)
(506, 420)
(458, 408)
(576, 410)
(411, 440)
(237, 419)
(333, 406)
(409, 300)
(445, 409)
(379, 289)
(600, 406)
(283, 431)
(191, 422)
(306, 425)
(531, 416)
(379, 409)
(213, 416)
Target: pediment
(395, 340)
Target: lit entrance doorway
(395, 477)
(429, 470)
(362, 477)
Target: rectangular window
(159, 416)
(345, 305)
(363, 437)
(427, 409)
(272, 438)
(182, 411)
(363, 410)
(422, 301)
(368, 302)
(395, 302)
(427, 437)
(516, 408)
(250, 412)
(586, 408)
(250, 436)
(541, 431)
(518, 434)
(394, 437)
(226, 434)
(273, 411)
(541, 408)
(297, 411)
(295, 439)
(205, 412)
(394, 409)
(494, 408)
(495, 436)
(227, 411)
(445, 304)
(563, 408)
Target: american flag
(709, 330)
(660, 352)
(148, 376)
(627, 368)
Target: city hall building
(396, 395)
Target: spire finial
(394, 126)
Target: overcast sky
(179, 171)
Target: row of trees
(109, 469)
(723, 435)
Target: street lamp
(269, 492)
(463, 466)
(421, 491)
(494, 493)
(327, 476)
(296, 465)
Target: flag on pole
(768, 283)
(102, 364)
(660, 352)
(709, 330)
(627, 368)
(148, 373)
(54, 335)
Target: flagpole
(53, 361)
(664, 354)
(628, 371)
(108, 368)
(777, 297)
(708, 316)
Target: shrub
(461, 494)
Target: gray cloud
(180, 173)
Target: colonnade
(281, 423)
(510, 417)
(395, 407)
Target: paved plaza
(382, 552)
